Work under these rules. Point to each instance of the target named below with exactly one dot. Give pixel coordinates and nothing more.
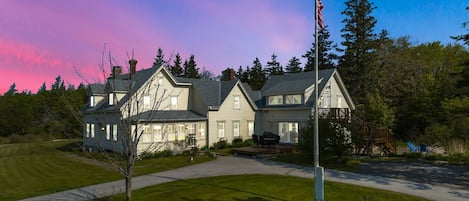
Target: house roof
(169, 116)
(96, 89)
(294, 83)
(213, 92)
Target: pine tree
(159, 59)
(326, 57)
(274, 67)
(359, 42)
(293, 65)
(257, 76)
(190, 68)
(243, 75)
(176, 69)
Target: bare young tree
(122, 109)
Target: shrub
(237, 142)
(159, 154)
(334, 140)
(220, 144)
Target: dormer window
(111, 98)
(293, 99)
(275, 100)
(92, 103)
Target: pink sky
(42, 39)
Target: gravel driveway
(454, 176)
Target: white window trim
(236, 128)
(111, 98)
(87, 130)
(92, 129)
(273, 100)
(114, 132)
(108, 132)
(250, 130)
(174, 103)
(288, 101)
(92, 101)
(146, 102)
(236, 102)
(221, 133)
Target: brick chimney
(116, 71)
(231, 74)
(133, 66)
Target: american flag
(320, 7)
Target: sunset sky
(42, 39)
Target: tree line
(420, 91)
(44, 112)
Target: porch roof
(169, 116)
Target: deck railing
(335, 113)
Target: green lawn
(31, 169)
(257, 188)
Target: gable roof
(298, 83)
(294, 83)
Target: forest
(420, 91)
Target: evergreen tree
(12, 90)
(243, 75)
(176, 69)
(359, 42)
(43, 88)
(159, 59)
(293, 65)
(326, 57)
(274, 67)
(257, 76)
(190, 68)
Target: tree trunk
(128, 182)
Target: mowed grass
(32, 169)
(258, 188)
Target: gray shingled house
(168, 109)
(286, 102)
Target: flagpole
(318, 171)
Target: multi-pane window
(92, 101)
(275, 100)
(201, 131)
(108, 131)
(87, 130)
(114, 132)
(111, 98)
(158, 133)
(146, 102)
(235, 128)
(288, 132)
(250, 128)
(147, 134)
(174, 102)
(236, 104)
(293, 99)
(221, 129)
(92, 130)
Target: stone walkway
(239, 165)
